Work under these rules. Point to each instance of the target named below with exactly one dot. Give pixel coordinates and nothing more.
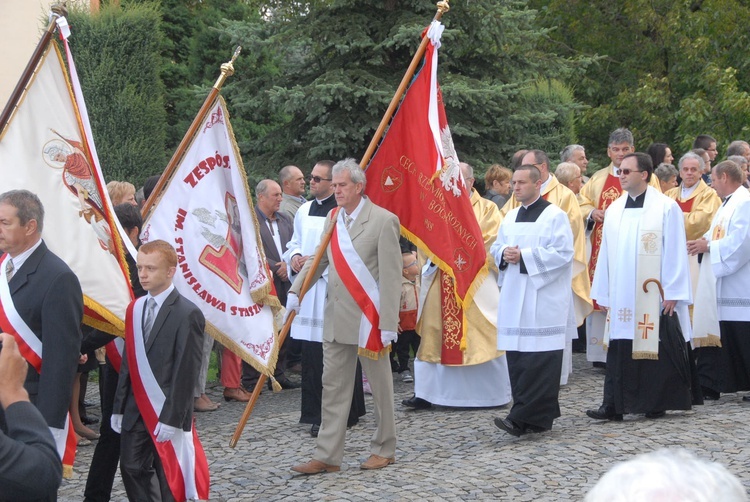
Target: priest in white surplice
(722, 309)
(643, 238)
(307, 326)
(534, 253)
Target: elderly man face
(579, 158)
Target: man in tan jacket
(364, 271)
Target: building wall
(21, 25)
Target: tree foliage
(322, 76)
(668, 70)
(117, 53)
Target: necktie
(148, 322)
(9, 269)
(347, 221)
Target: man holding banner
(41, 305)
(364, 289)
(160, 455)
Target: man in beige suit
(364, 267)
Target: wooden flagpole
(442, 7)
(306, 284)
(58, 10)
(227, 70)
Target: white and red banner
(205, 211)
(182, 457)
(415, 174)
(47, 148)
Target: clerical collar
(687, 192)
(532, 204)
(323, 201)
(636, 202)
(544, 185)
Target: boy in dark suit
(172, 336)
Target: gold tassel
(275, 385)
(67, 471)
(646, 355)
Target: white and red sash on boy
(183, 458)
(361, 285)
(30, 347)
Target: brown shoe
(315, 467)
(236, 394)
(200, 404)
(376, 462)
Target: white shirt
(19, 260)
(356, 211)
(160, 298)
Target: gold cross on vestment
(645, 326)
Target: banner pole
(442, 7)
(306, 284)
(58, 10)
(227, 70)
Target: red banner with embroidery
(415, 174)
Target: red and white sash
(114, 350)
(361, 285)
(183, 458)
(30, 347)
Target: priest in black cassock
(534, 254)
(643, 247)
(307, 326)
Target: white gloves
(115, 421)
(164, 432)
(292, 304)
(387, 337)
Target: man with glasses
(643, 240)
(292, 183)
(555, 192)
(307, 327)
(596, 195)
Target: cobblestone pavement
(447, 453)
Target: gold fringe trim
(115, 325)
(646, 355)
(371, 354)
(707, 341)
(67, 471)
(242, 354)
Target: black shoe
(604, 413)
(417, 403)
(656, 414)
(89, 420)
(285, 383)
(599, 364)
(314, 430)
(508, 426)
(746, 398)
(710, 394)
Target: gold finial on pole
(443, 6)
(227, 69)
(59, 9)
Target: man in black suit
(276, 230)
(47, 296)
(107, 452)
(173, 336)
(32, 470)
